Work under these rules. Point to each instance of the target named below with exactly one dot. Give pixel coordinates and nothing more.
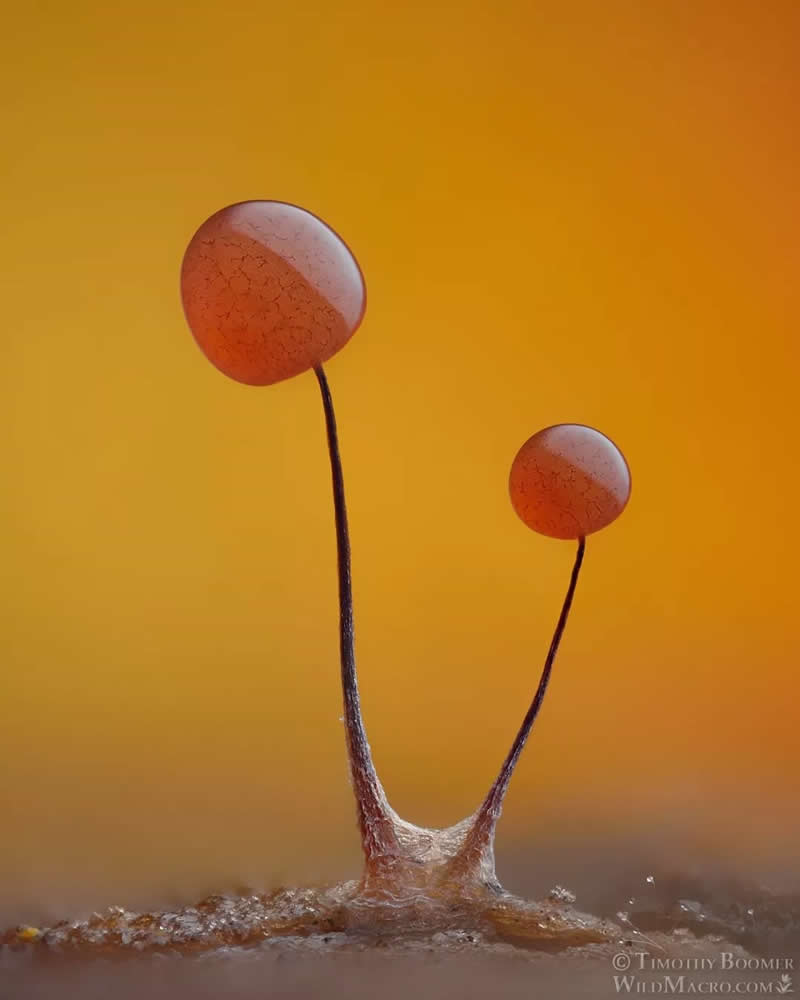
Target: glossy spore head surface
(568, 481)
(270, 291)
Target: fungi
(270, 291)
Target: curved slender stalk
(481, 833)
(374, 815)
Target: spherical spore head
(269, 291)
(568, 481)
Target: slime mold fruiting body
(269, 292)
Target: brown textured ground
(332, 943)
(445, 964)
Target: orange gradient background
(564, 211)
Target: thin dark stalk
(481, 832)
(377, 831)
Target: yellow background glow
(565, 211)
